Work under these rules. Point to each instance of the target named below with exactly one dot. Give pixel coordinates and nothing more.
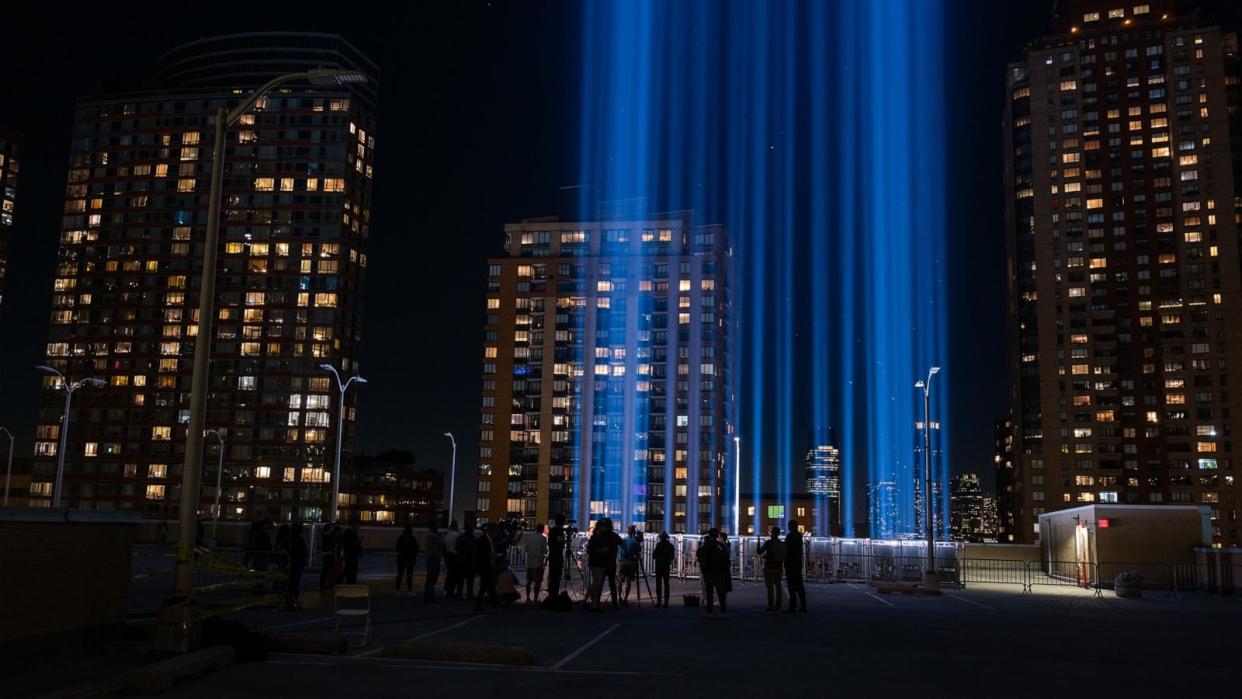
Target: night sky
(477, 127)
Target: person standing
(630, 550)
(793, 568)
(773, 552)
(663, 556)
(556, 554)
(351, 551)
(714, 570)
(407, 554)
(536, 553)
(296, 548)
(452, 575)
(464, 548)
(597, 555)
(328, 542)
(435, 551)
(484, 565)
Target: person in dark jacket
(407, 553)
(714, 569)
(485, 566)
(556, 554)
(663, 556)
(773, 552)
(793, 568)
(351, 551)
(464, 548)
(295, 547)
(329, 541)
(432, 558)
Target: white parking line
(588, 644)
(970, 601)
(878, 598)
(429, 634)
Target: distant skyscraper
(9, 166)
(823, 483)
(1125, 274)
(1008, 486)
(293, 244)
(966, 519)
(605, 373)
(882, 505)
(990, 522)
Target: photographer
(556, 554)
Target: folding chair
(352, 592)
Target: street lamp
(737, 485)
(340, 434)
(64, 423)
(452, 476)
(215, 520)
(930, 579)
(8, 471)
(190, 471)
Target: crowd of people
(468, 555)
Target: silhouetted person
(435, 552)
(714, 570)
(163, 538)
(773, 552)
(602, 550)
(329, 541)
(452, 566)
(536, 552)
(630, 550)
(793, 567)
(464, 548)
(485, 566)
(663, 556)
(556, 554)
(351, 551)
(295, 546)
(407, 554)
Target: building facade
(1009, 487)
(966, 508)
(773, 512)
(389, 488)
(293, 245)
(823, 483)
(1120, 131)
(605, 374)
(10, 165)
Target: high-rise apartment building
(293, 244)
(606, 373)
(1008, 501)
(823, 483)
(10, 164)
(1124, 264)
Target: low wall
(65, 577)
(1002, 552)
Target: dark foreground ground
(986, 641)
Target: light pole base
(931, 580)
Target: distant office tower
(991, 525)
(293, 243)
(823, 484)
(1126, 333)
(966, 519)
(917, 529)
(605, 374)
(882, 505)
(9, 165)
(1008, 486)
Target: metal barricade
(229, 573)
(995, 572)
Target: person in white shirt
(536, 552)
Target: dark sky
(477, 127)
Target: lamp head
(95, 382)
(934, 370)
(332, 77)
(919, 384)
(46, 369)
(359, 379)
(448, 434)
(327, 367)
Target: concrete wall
(1002, 552)
(1135, 533)
(62, 576)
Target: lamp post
(930, 579)
(190, 471)
(215, 520)
(737, 485)
(452, 476)
(69, 389)
(340, 434)
(8, 471)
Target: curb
(160, 676)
